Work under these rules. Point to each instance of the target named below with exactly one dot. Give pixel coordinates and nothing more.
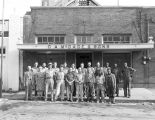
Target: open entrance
(118, 58)
(83, 57)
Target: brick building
(82, 34)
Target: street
(39, 110)
(141, 106)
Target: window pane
(89, 39)
(57, 40)
(51, 39)
(105, 38)
(44, 39)
(39, 39)
(84, 39)
(116, 39)
(78, 39)
(127, 39)
(3, 50)
(110, 38)
(62, 40)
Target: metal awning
(133, 46)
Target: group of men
(90, 83)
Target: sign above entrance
(133, 46)
(79, 46)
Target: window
(114, 38)
(51, 39)
(6, 33)
(84, 38)
(3, 51)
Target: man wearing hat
(49, 82)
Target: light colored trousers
(60, 89)
(49, 83)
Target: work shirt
(60, 76)
(116, 72)
(80, 78)
(110, 81)
(28, 77)
(70, 77)
(99, 75)
(127, 73)
(90, 75)
(65, 70)
(49, 74)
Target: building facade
(95, 34)
(12, 37)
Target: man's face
(107, 64)
(82, 65)
(36, 64)
(29, 68)
(125, 64)
(109, 71)
(44, 64)
(98, 64)
(115, 65)
(55, 64)
(65, 64)
(89, 64)
(50, 66)
(73, 65)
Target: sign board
(78, 46)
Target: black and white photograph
(77, 59)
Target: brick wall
(69, 21)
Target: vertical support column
(21, 80)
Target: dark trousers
(100, 92)
(70, 89)
(127, 89)
(90, 90)
(117, 89)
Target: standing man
(70, 77)
(110, 85)
(84, 70)
(28, 83)
(35, 71)
(55, 69)
(49, 82)
(100, 82)
(127, 78)
(116, 72)
(65, 70)
(60, 83)
(44, 67)
(90, 80)
(79, 85)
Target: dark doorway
(83, 57)
(119, 58)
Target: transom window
(84, 38)
(114, 38)
(51, 39)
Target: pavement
(141, 106)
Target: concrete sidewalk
(137, 95)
